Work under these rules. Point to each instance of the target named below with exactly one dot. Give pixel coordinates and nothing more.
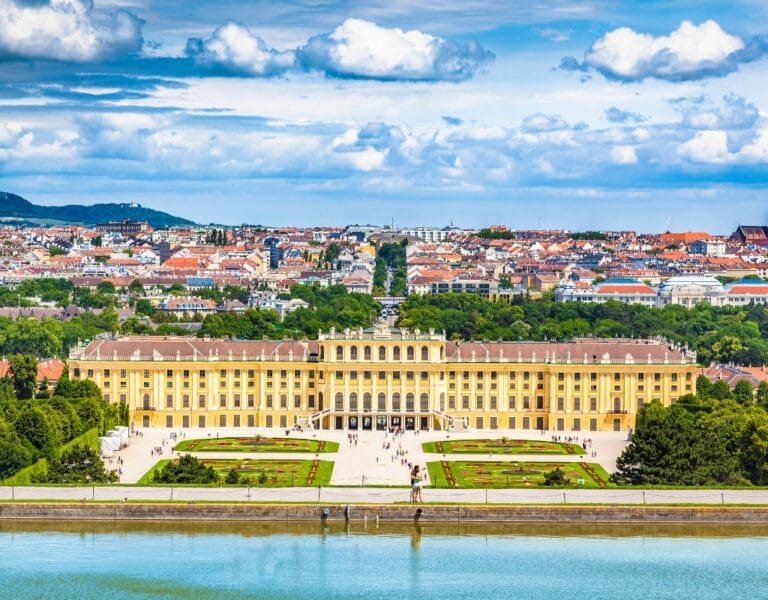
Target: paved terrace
(362, 473)
(367, 462)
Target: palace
(380, 377)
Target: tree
(555, 478)
(703, 387)
(38, 429)
(106, 287)
(24, 370)
(80, 464)
(743, 392)
(762, 395)
(187, 469)
(721, 390)
(13, 456)
(136, 287)
(233, 477)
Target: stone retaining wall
(385, 513)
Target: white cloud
(65, 30)
(624, 155)
(362, 49)
(709, 146)
(233, 47)
(689, 52)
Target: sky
(647, 115)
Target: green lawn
(502, 446)
(279, 473)
(256, 444)
(496, 474)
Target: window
(339, 353)
(185, 401)
(283, 401)
(512, 423)
(593, 404)
(382, 353)
(201, 421)
(353, 353)
(451, 402)
(511, 403)
(409, 353)
(169, 401)
(367, 353)
(237, 400)
(409, 403)
(424, 403)
(367, 402)
(526, 404)
(396, 353)
(465, 402)
(395, 401)
(296, 401)
(539, 402)
(222, 400)
(479, 403)
(424, 353)
(269, 401)
(168, 373)
(382, 401)
(311, 401)
(339, 401)
(353, 401)
(561, 404)
(576, 404)
(251, 400)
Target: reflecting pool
(242, 560)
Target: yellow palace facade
(379, 378)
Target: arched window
(367, 353)
(396, 353)
(409, 354)
(339, 401)
(395, 401)
(339, 352)
(353, 353)
(367, 402)
(424, 403)
(424, 353)
(617, 405)
(382, 401)
(382, 353)
(145, 401)
(353, 401)
(409, 402)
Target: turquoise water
(401, 563)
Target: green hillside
(16, 209)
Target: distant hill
(15, 209)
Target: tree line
(718, 334)
(714, 437)
(34, 428)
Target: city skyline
(576, 115)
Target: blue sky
(644, 114)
